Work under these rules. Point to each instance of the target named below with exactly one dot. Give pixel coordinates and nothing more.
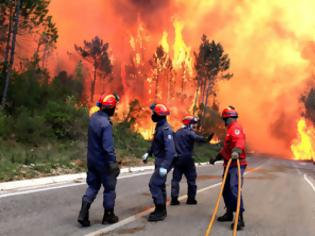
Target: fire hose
(210, 225)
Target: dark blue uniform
(101, 153)
(163, 149)
(231, 189)
(185, 164)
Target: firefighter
(233, 148)
(163, 149)
(102, 165)
(185, 138)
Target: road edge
(69, 178)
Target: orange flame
(164, 42)
(261, 60)
(215, 140)
(303, 146)
(146, 133)
(181, 50)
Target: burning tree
(47, 39)
(309, 104)
(20, 17)
(96, 53)
(161, 65)
(136, 68)
(211, 66)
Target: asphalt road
(279, 198)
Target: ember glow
(215, 140)
(303, 148)
(271, 45)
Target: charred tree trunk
(156, 87)
(93, 85)
(10, 67)
(168, 87)
(196, 95)
(203, 89)
(205, 105)
(7, 48)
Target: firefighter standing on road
(185, 138)
(101, 162)
(163, 149)
(234, 147)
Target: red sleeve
(238, 138)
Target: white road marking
(305, 176)
(65, 186)
(133, 218)
(309, 182)
(29, 191)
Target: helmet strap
(110, 112)
(229, 121)
(156, 118)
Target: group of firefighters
(171, 151)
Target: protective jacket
(100, 140)
(162, 146)
(234, 140)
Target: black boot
(83, 218)
(109, 217)
(228, 216)
(240, 223)
(158, 214)
(191, 201)
(175, 201)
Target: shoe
(240, 223)
(175, 201)
(191, 201)
(83, 218)
(158, 214)
(109, 217)
(228, 216)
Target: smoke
(154, 14)
(271, 46)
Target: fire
(164, 42)
(271, 66)
(215, 140)
(303, 146)
(181, 50)
(146, 132)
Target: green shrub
(5, 124)
(66, 120)
(29, 128)
(127, 142)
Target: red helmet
(160, 109)
(108, 101)
(188, 120)
(229, 112)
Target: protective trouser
(97, 176)
(187, 167)
(231, 188)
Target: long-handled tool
(237, 213)
(210, 225)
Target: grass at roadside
(203, 152)
(22, 161)
(19, 161)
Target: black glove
(209, 137)
(114, 169)
(217, 158)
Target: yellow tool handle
(218, 200)
(238, 198)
